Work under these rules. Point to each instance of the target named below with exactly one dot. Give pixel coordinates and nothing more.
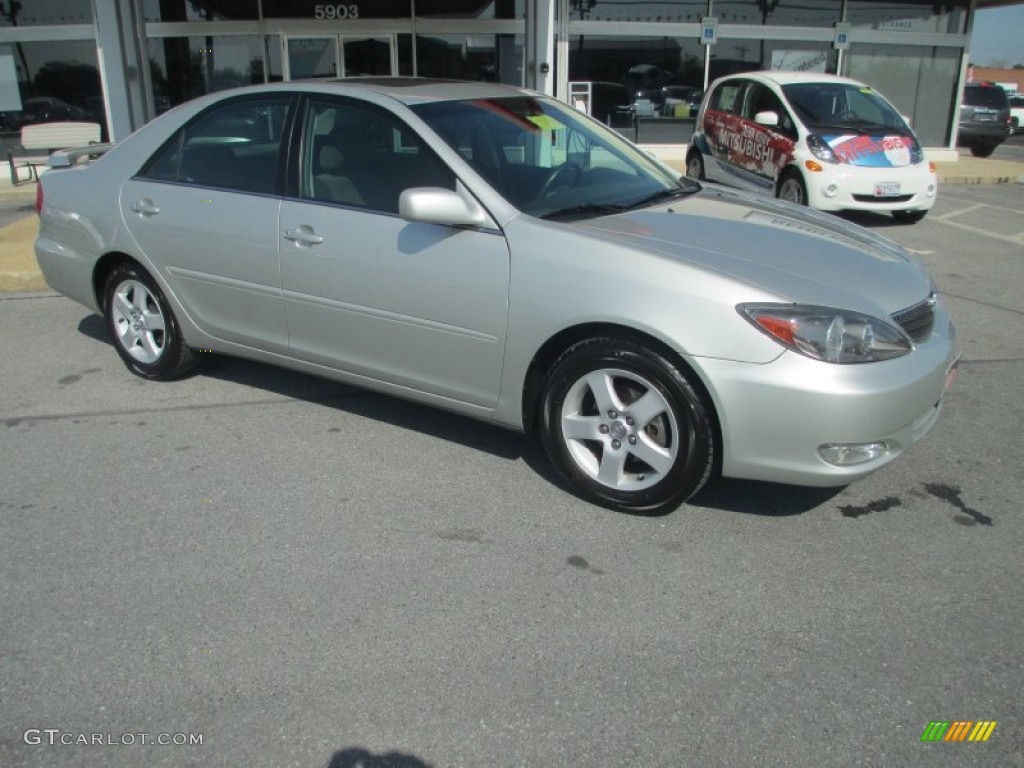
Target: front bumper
(852, 188)
(776, 416)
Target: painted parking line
(948, 219)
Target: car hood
(798, 254)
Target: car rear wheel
(144, 329)
(792, 188)
(626, 427)
(695, 166)
(908, 217)
(983, 150)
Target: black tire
(143, 327)
(983, 150)
(695, 166)
(908, 217)
(607, 461)
(792, 188)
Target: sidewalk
(19, 271)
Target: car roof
(789, 78)
(408, 90)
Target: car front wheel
(695, 166)
(143, 327)
(792, 188)
(626, 427)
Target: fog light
(831, 190)
(846, 454)
(931, 190)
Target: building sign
(800, 61)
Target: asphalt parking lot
(303, 574)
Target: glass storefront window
(949, 18)
(209, 10)
(733, 56)
(491, 58)
(471, 9)
(636, 62)
(920, 81)
(186, 67)
(665, 11)
(56, 81)
(35, 13)
(805, 13)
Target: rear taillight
(39, 198)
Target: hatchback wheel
(792, 189)
(626, 427)
(144, 329)
(695, 166)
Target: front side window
(548, 159)
(362, 156)
(760, 98)
(235, 146)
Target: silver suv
(984, 118)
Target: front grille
(917, 320)
(873, 199)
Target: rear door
(204, 211)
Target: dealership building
(122, 62)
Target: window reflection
(55, 81)
(183, 68)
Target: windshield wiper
(587, 209)
(663, 196)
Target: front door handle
(303, 235)
(145, 207)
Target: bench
(38, 141)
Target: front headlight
(820, 149)
(827, 334)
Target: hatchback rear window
(985, 96)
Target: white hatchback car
(820, 140)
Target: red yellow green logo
(958, 730)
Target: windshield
(548, 159)
(844, 107)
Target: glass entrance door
(339, 56)
(310, 57)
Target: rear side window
(726, 98)
(991, 96)
(235, 146)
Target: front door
(417, 305)
(320, 56)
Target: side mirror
(435, 205)
(769, 119)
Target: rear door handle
(303, 235)
(145, 207)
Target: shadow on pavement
(747, 497)
(357, 757)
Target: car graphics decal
(742, 145)
(871, 151)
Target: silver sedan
(490, 251)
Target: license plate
(984, 117)
(887, 188)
